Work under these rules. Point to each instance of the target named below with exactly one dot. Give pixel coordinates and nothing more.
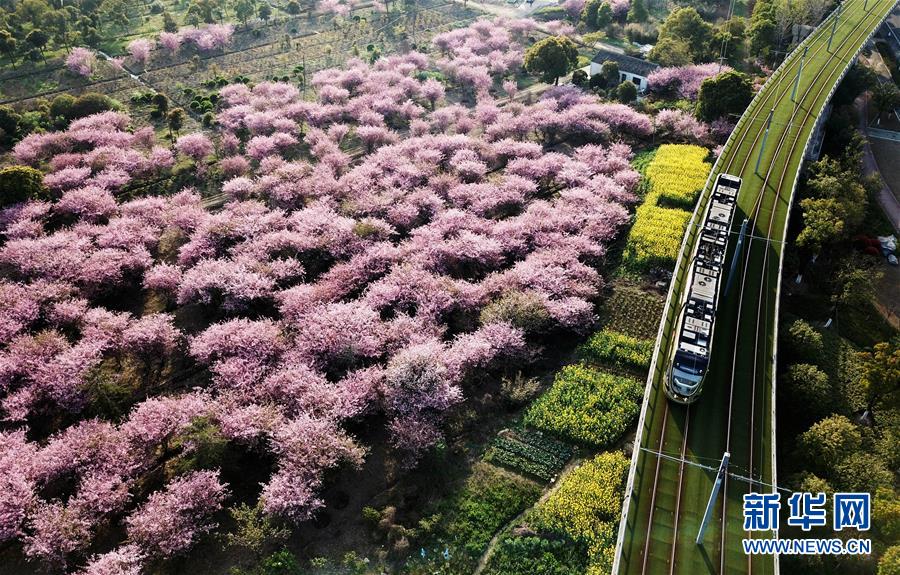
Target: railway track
(759, 345)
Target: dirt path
(486, 556)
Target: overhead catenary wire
(738, 476)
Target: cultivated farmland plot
(321, 44)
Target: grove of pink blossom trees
(344, 280)
(682, 81)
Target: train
(697, 314)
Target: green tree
(280, 563)
(293, 7)
(255, 530)
(60, 22)
(208, 11)
(8, 46)
(890, 561)
(854, 284)
(579, 78)
(175, 121)
(244, 10)
(115, 12)
(728, 93)
(861, 472)
(38, 38)
(551, 58)
(668, 52)
(161, 101)
(881, 375)
(61, 107)
(886, 514)
(604, 16)
(91, 37)
(9, 125)
(829, 442)
(732, 36)
(814, 484)
(21, 183)
(687, 26)
(169, 23)
(834, 204)
(859, 79)
(607, 77)
(637, 12)
(763, 26)
(803, 341)
(91, 103)
(31, 11)
(626, 92)
(265, 12)
(822, 223)
(597, 14)
(609, 71)
(885, 97)
(808, 389)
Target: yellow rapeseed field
(676, 176)
(587, 506)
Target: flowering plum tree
(170, 521)
(681, 126)
(81, 61)
(140, 50)
(195, 146)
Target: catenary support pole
(834, 24)
(762, 148)
(737, 254)
(799, 71)
(723, 469)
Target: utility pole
(720, 474)
(799, 70)
(765, 137)
(737, 254)
(834, 26)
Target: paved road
(670, 481)
(886, 197)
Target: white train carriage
(697, 313)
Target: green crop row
(587, 406)
(619, 350)
(510, 450)
(633, 312)
(490, 498)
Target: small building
(631, 69)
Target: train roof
(707, 268)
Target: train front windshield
(687, 371)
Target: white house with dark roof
(631, 69)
